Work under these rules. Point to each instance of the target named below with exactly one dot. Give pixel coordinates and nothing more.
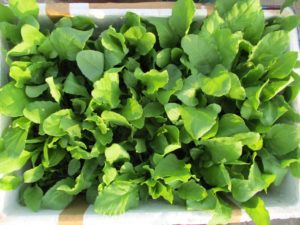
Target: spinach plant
(195, 112)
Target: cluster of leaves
(196, 112)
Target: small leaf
(33, 197)
(34, 174)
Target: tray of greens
(195, 112)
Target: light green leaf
(255, 208)
(243, 190)
(34, 174)
(218, 83)
(61, 123)
(189, 90)
(132, 110)
(117, 198)
(10, 182)
(54, 89)
(246, 16)
(268, 49)
(152, 79)
(38, 111)
(12, 100)
(106, 90)
(141, 39)
(116, 153)
(283, 65)
(115, 47)
(111, 117)
(23, 9)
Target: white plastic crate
(282, 202)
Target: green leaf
(73, 86)
(110, 173)
(132, 110)
(218, 83)
(272, 166)
(191, 191)
(249, 109)
(106, 90)
(205, 51)
(10, 182)
(255, 208)
(243, 190)
(272, 110)
(35, 91)
(157, 189)
(142, 40)
(273, 88)
(61, 123)
(34, 174)
(152, 79)
(217, 175)
(117, 198)
(33, 197)
(163, 58)
(115, 47)
(73, 167)
(6, 14)
(116, 153)
(38, 111)
(283, 66)
(56, 199)
(12, 100)
(166, 36)
(188, 92)
(54, 89)
(173, 111)
(172, 169)
(231, 124)
(67, 42)
(288, 23)
(268, 49)
(23, 9)
(246, 16)
(282, 138)
(84, 180)
(223, 149)
(91, 64)
(182, 16)
(114, 118)
(166, 140)
(197, 122)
